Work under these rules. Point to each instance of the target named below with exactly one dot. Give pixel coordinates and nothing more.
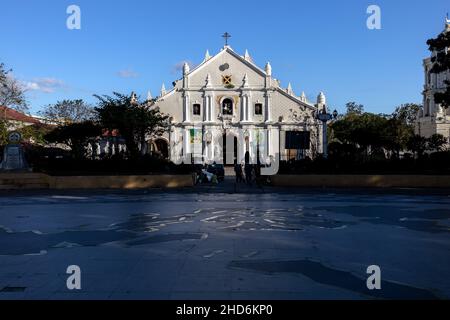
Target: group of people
(247, 173)
(207, 174)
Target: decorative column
(245, 99)
(212, 113)
(244, 108)
(207, 102)
(206, 108)
(268, 107)
(269, 140)
(249, 110)
(186, 141)
(241, 145)
(187, 113)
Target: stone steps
(229, 172)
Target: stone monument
(13, 155)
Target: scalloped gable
(229, 50)
(237, 68)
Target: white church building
(432, 117)
(228, 106)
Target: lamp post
(324, 116)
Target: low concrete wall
(42, 181)
(26, 180)
(362, 181)
(121, 182)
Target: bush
(62, 164)
(435, 163)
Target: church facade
(432, 118)
(227, 107)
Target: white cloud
(46, 85)
(127, 73)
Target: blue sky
(320, 45)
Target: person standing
(238, 172)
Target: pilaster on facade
(245, 107)
(268, 111)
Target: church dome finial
(163, 90)
(268, 69)
(186, 68)
(207, 55)
(247, 56)
(289, 89)
(303, 96)
(321, 99)
(133, 97)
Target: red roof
(11, 114)
(113, 133)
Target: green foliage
(436, 142)
(133, 120)
(68, 111)
(443, 98)
(369, 135)
(441, 63)
(439, 44)
(407, 113)
(364, 131)
(417, 144)
(354, 108)
(3, 133)
(75, 135)
(35, 133)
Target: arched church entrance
(230, 151)
(161, 147)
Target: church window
(226, 80)
(258, 109)
(196, 109)
(227, 107)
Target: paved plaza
(217, 244)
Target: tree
(417, 144)
(3, 133)
(441, 63)
(407, 113)
(354, 108)
(400, 127)
(134, 120)
(75, 135)
(396, 135)
(364, 131)
(12, 92)
(436, 142)
(68, 111)
(35, 133)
